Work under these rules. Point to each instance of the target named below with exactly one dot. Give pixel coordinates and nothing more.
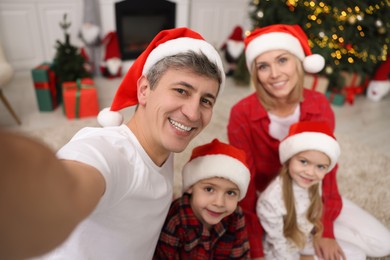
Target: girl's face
(277, 72)
(213, 199)
(308, 168)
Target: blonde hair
(290, 228)
(264, 96)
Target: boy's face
(308, 168)
(178, 109)
(213, 199)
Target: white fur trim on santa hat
(273, 41)
(282, 41)
(184, 44)
(310, 141)
(109, 118)
(216, 165)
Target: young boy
(206, 223)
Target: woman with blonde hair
(277, 57)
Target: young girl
(205, 222)
(290, 209)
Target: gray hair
(198, 63)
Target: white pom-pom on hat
(109, 118)
(313, 63)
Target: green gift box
(335, 98)
(46, 90)
(40, 72)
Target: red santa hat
(282, 37)
(217, 159)
(304, 136)
(165, 43)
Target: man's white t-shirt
(128, 219)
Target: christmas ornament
(90, 34)
(111, 66)
(233, 49)
(379, 85)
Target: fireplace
(138, 21)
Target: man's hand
(42, 199)
(328, 249)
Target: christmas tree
(68, 61)
(352, 36)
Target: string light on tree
(352, 19)
(341, 31)
(328, 70)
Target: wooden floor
(366, 121)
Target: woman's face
(277, 72)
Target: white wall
(216, 19)
(29, 29)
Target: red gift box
(354, 85)
(80, 98)
(315, 82)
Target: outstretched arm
(42, 199)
